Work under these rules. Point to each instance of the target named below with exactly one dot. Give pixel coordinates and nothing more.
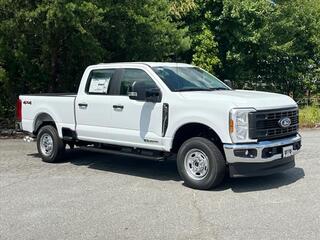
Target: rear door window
(99, 81)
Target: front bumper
(261, 158)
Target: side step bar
(128, 154)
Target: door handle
(118, 107)
(83, 105)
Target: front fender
(219, 126)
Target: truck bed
(53, 94)
(59, 106)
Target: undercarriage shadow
(167, 170)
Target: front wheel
(50, 145)
(200, 163)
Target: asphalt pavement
(97, 196)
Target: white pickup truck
(158, 110)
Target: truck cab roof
(150, 64)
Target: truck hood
(242, 98)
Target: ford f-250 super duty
(158, 110)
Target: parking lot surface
(97, 196)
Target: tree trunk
(54, 71)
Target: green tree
(45, 45)
(293, 58)
(143, 30)
(270, 45)
(206, 51)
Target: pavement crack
(204, 226)
(196, 207)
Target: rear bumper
(262, 158)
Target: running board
(122, 153)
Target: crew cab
(162, 110)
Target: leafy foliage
(45, 45)
(269, 45)
(309, 116)
(206, 51)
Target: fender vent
(165, 118)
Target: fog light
(297, 145)
(270, 152)
(245, 153)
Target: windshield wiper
(218, 88)
(200, 89)
(193, 89)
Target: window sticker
(99, 85)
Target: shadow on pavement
(167, 170)
(262, 183)
(159, 170)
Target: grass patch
(309, 117)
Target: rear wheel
(200, 163)
(50, 146)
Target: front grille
(264, 125)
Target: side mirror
(228, 83)
(153, 95)
(137, 91)
(140, 92)
(133, 95)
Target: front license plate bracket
(287, 151)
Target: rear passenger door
(93, 107)
(136, 122)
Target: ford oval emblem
(285, 122)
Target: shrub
(310, 116)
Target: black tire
(216, 164)
(58, 147)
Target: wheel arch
(41, 120)
(195, 129)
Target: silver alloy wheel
(196, 164)
(46, 144)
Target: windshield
(188, 79)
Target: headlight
(239, 125)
